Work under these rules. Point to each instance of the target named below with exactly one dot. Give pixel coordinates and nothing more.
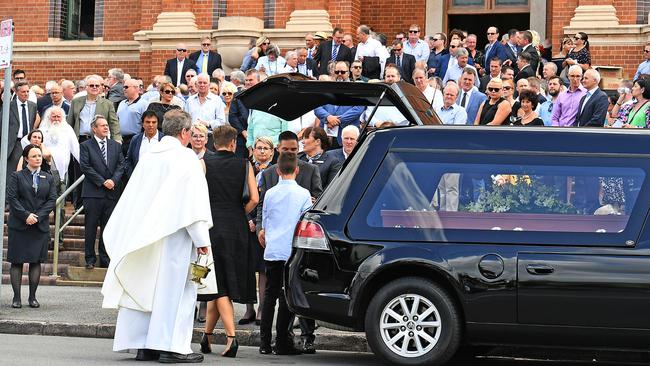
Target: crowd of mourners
(113, 120)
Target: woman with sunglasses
(261, 46)
(580, 54)
(508, 92)
(166, 102)
(228, 90)
(637, 113)
(558, 58)
(495, 110)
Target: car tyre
(413, 321)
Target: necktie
(35, 181)
(514, 50)
(487, 54)
(204, 64)
(462, 101)
(309, 53)
(582, 108)
(335, 50)
(399, 61)
(25, 125)
(103, 149)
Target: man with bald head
(178, 66)
(53, 98)
(130, 112)
(206, 108)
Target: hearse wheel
(413, 321)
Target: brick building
(72, 38)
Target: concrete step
(61, 282)
(74, 258)
(82, 274)
(46, 269)
(69, 244)
(44, 281)
(68, 232)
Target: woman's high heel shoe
(206, 343)
(234, 346)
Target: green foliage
(535, 197)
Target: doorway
(478, 24)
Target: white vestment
(61, 141)
(163, 210)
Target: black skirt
(27, 246)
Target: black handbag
(246, 194)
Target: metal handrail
(60, 202)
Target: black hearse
(431, 236)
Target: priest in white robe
(156, 230)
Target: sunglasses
(453, 46)
(226, 93)
(340, 72)
(550, 108)
(181, 50)
(646, 51)
(414, 31)
(126, 87)
(266, 43)
(435, 39)
(507, 88)
(168, 91)
(491, 33)
(577, 38)
(206, 44)
(356, 67)
(93, 85)
(494, 90)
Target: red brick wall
(394, 16)
(202, 10)
(622, 56)
(41, 71)
(30, 19)
(626, 11)
(149, 11)
(563, 11)
(283, 9)
(345, 14)
(121, 19)
(248, 8)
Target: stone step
(86, 275)
(44, 281)
(69, 244)
(78, 221)
(70, 257)
(46, 269)
(68, 232)
(61, 282)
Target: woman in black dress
(526, 115)
(229, 235)
(31, 194)
(495, 110)
(165, 104)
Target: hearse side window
(505, 196)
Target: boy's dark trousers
(275, 291)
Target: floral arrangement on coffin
(520, 194)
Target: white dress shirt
(212, 110)
(372, 48)
(180, 78)
(22, 133)
(147, 144)
(420, 51)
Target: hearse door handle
(539, 269)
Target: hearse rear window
(506, 193)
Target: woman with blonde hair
(228, 90)
(165, 103)
(495, 110)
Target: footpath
(77, 312)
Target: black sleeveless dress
(229, 236)
(489, 111)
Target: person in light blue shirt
(282, 207)
(644, 67)
(546, 109)
(451, 113)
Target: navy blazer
(328, 166)
(442, 63)
(324, 55)
(23, 200)
(338, 154)
(497, 50)
(133, 154)
(349, 115)
(238, 119)
(172, 66)
(14, 122)
(407, 67)
(594, 112)
(534, 57)
(214, 61)
(525, 73)
(473, 104)
(512, 57)
(97, 171)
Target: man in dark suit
(524, 66)
(526, 43)
(309, 178)
(306, 66)
(494, 48)
(315, 141)
(115, 83)
(441, 63)
(102, 162)
(512, 49)
(238, 114)
(22, 117)
(150, 136)
(179, 63)
(405, 63)
(53, 98)
(333, 50)
(206, 60)
(593, 105)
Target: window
(79, 19)
(487, 6)
(447, 195)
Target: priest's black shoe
(286, 350)
(16, 304)
(33, 303)
(147, 355)
(171, 357)
(266, 349)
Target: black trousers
(98, 211)
(74, 172)
(126, 141)
(275, 291)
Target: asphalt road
(18, 350)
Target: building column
(435, 16)
(538, 17)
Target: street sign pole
(6, 49)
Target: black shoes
(308, 348)
(16, 304)
(286, 350)
(33, 304)
(171, 357)
(248, 320)
(206, 343)
(265, 349)
(90, 266)
(147, 355)
(232, 350)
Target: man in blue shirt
(129, 113)
(451, 113)
(282, 207)
(644, 67)
(546, 108)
